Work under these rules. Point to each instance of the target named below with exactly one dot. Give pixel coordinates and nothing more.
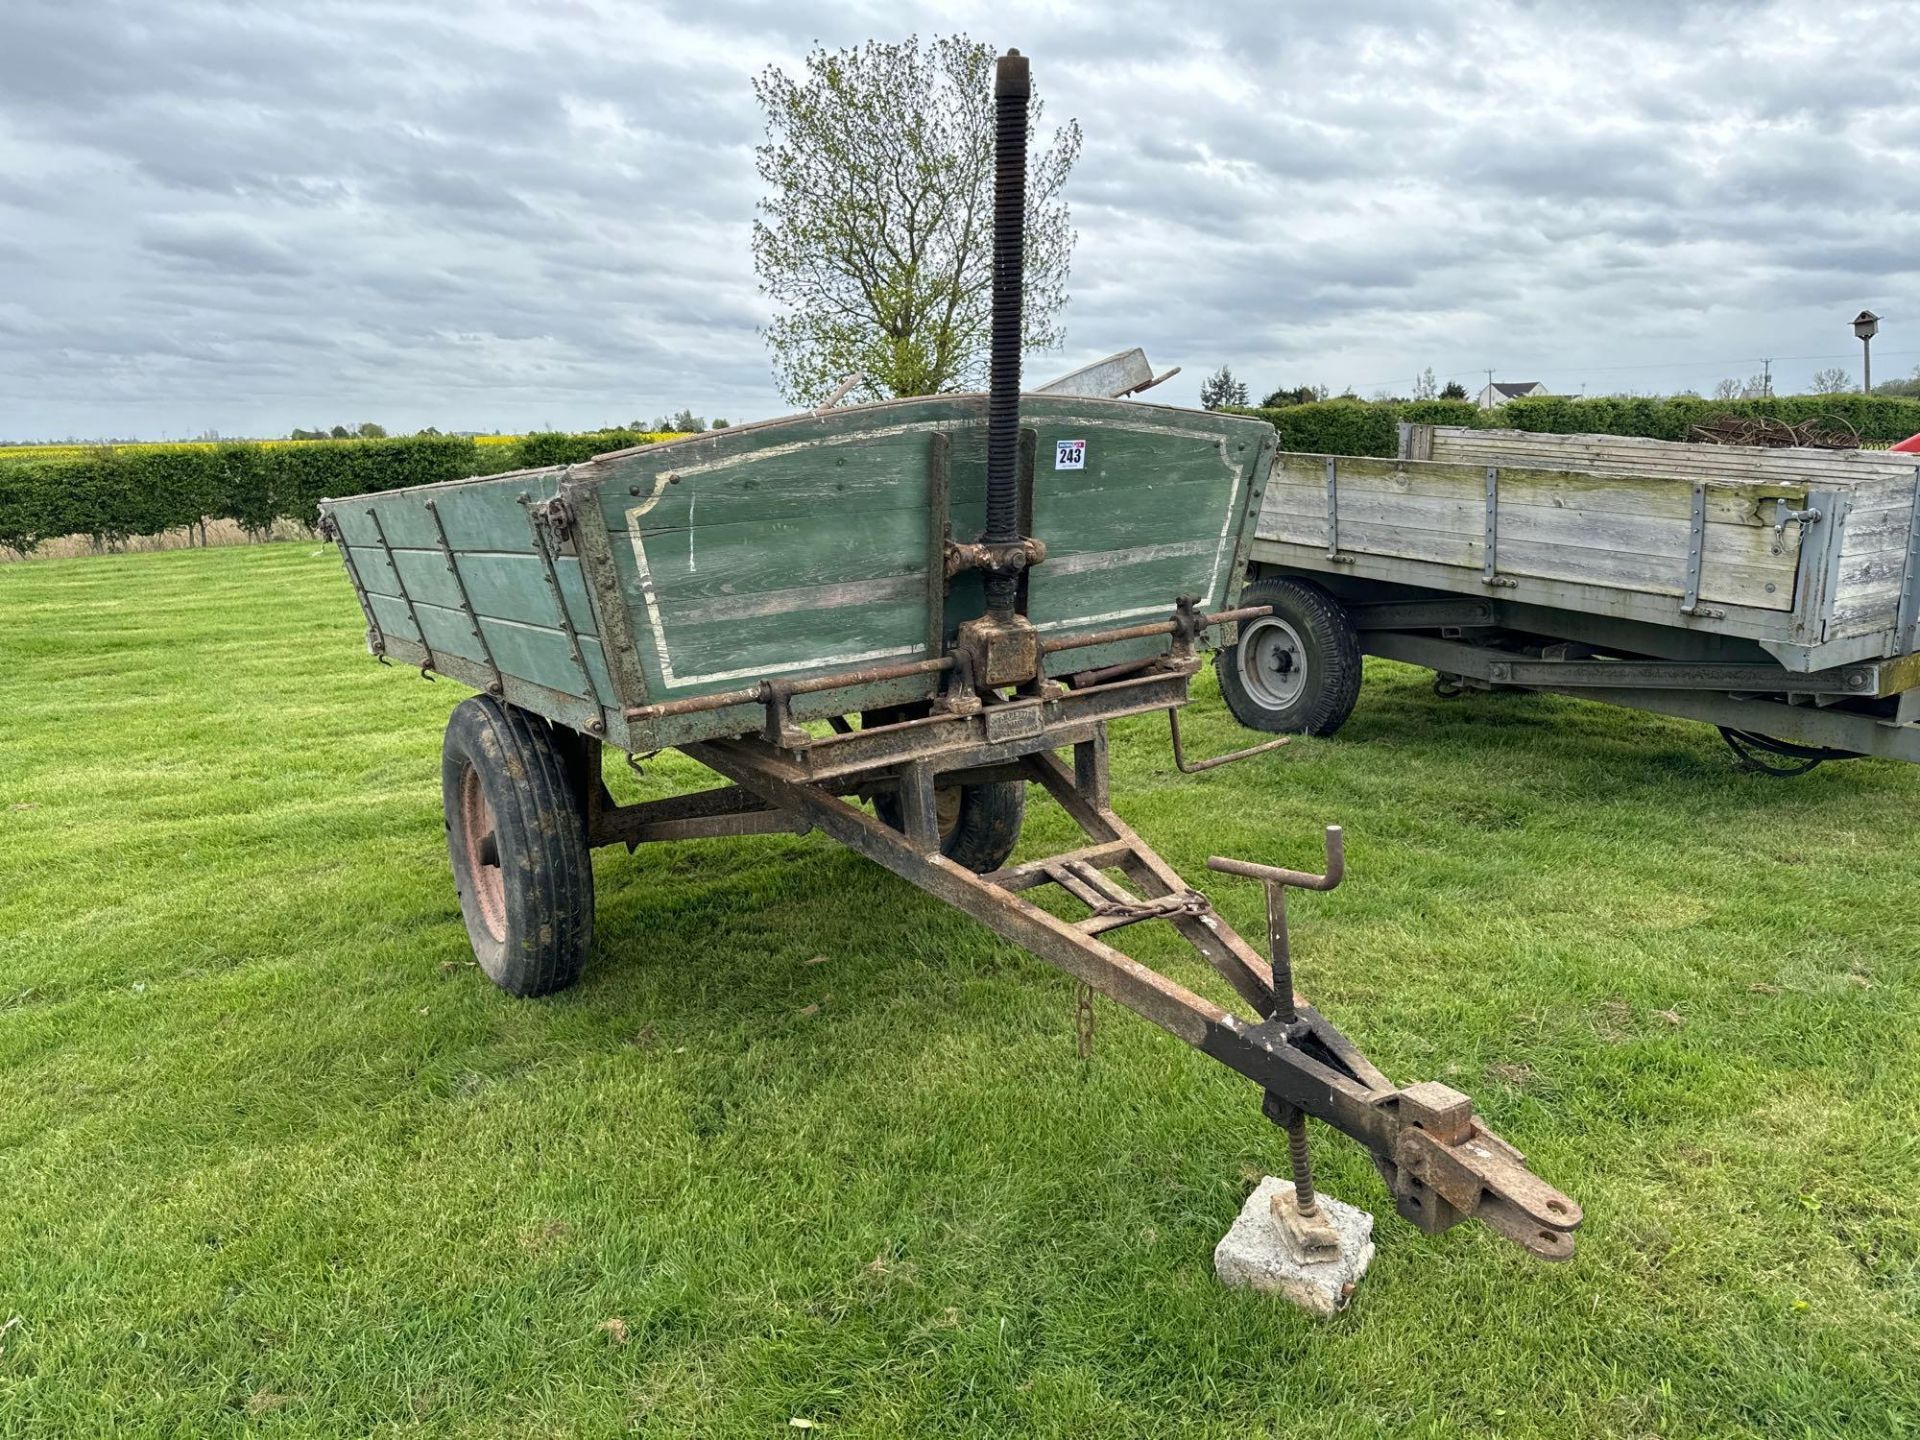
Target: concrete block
(1255, 1253)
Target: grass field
(277, 1159)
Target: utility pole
(1766, 379)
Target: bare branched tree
(875, 238)
(1834, 381)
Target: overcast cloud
(481, 216)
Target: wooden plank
(1766, 626)
(503, 586)
(1668, 496)
(532, 653)
(1440, 516)
(1127, 467)
(744, 648)
(1289, 505)
(1726, 578)
(824, 548)
(1868, 531)
(850, 473)
(1640, 455)
(783, 457)
(1137, 589)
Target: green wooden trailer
(600, 594)
(884, 623)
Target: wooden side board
(1860, 557)
(453, 571)
(1637, 455)
(1630, 533)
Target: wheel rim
(483, 856)
(1272, 662)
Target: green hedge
(1358, 427)
(556, 447)
(1362, 427)
(114, 494)
(1872, 417)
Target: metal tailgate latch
(1783, 515)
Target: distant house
(1502, 391)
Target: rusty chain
(1083, 1020)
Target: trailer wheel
(1296, 671)
(518, 839)
(979, 824)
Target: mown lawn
(276, 1158)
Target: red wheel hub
(483, 855)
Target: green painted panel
(795, 594)
(477, 514)
(738, 651)
(490, 516)
(540, 655)
(392, 617)
(507, 587)
(830, 545)
(531, 652)
(1140, 590)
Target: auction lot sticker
(1069, 454)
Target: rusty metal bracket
(779, 728)
(556, 514)
(329, 529)
(498, 685)
(413, 616)
(551, 515)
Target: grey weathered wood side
(1853, 570)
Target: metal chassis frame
(1737, 696)
(1441, 1164)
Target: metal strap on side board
(939, 531)
(540, 548)
(466, 602)
(377, 638)
(1908, 621)
(1696, 548)
(1490, 547)
(413, 616)
(1333, 508)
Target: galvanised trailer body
(1774, 593)
(954, 589)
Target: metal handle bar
(1180, 755)
(1336, 866)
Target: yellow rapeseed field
(73, 452)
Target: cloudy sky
(492, 215)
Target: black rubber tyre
(979, 824)
(517, 835)
(1297, 671)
